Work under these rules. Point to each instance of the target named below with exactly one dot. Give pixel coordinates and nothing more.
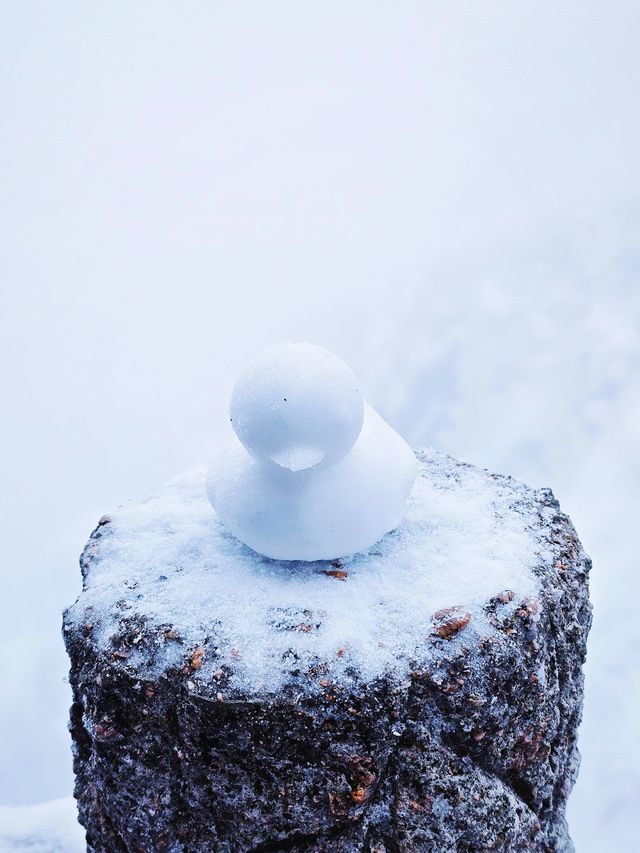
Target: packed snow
(297, 405)
(316, 474)
(466, 537)
(50, 827)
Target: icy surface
(298, 405)
(45, 828)
(466, 537)
(315, 473)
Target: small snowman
(313, 472)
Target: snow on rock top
(314, 472)
(168, 574)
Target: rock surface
(424, 696)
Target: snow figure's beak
(298, 458)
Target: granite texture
(472, 747)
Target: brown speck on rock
(196, 658)
(504, 597)
(424, 807)
(104, 732)
(450, 621)
(529, 607)
(360, 795)
(335, 573)
(122, 653)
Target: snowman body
(314, 472)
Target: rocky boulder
(422, 696)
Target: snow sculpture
(313, 472)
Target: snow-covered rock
(423, 694)
(314, 473)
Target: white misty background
(446, 195)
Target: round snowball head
(297, 405)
